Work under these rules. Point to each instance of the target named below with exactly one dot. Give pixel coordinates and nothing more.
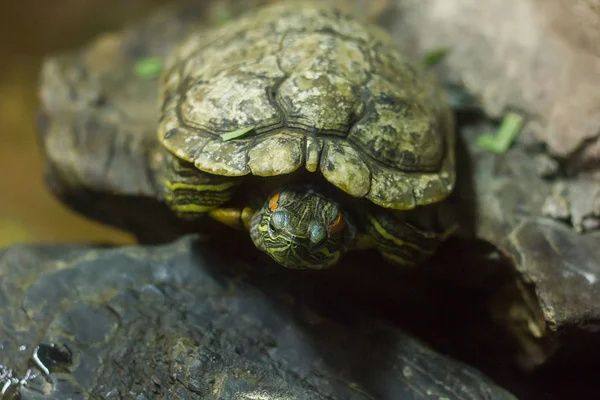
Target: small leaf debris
(506, 134)
(148, 68)
(434, 57)
(238, 133)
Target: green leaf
(506, 134)
(434, 57)
(148, 68)
(236, 134)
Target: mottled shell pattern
(317, 88)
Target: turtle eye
(317, 234)
(337, 224)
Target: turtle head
(301, 229)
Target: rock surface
(176, 321)
(556, 269)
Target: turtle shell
(309, 85)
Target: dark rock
(175, 321)
(556, 268)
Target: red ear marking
(338, 224)
(273, 202)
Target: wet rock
(179, 321)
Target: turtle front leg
(403, 238)
(234, 217)
(191, 193)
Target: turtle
(305, 87)
(308, 128)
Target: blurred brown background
(30, 29)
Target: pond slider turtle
(310, 129)
(306, 86)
